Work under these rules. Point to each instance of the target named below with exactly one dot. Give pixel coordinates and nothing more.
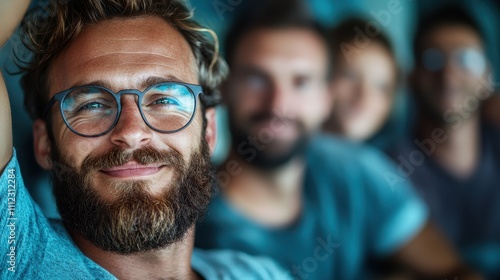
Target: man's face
(132, 189)
(449, 69)
(364, 90)
(277, 94)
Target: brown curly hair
(46, 31)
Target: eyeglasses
(93, 111)
(468, 59)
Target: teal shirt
(34, 247)
(351, 212)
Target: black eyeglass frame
(195, 90)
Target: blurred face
(132, 189)
(277, 94)
(364, 92)
(449, 68)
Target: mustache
(145, 156)
(276, 121)
(268, 116)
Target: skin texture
(11, 12)
(126, 62)
(364, 91)
(114, 53)
(272, 197)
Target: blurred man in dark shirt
(453, 157)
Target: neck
(270, 197)
(173, 262)
(458, 149)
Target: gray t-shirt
(467, 210)
(34, 247)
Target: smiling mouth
(131, 169)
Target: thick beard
(136, 221)
(268, 158)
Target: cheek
(76, 149)
(66, 142)
(241, 111)
(382, 107)
(187, 140)
(381, 98)
(313, 111)
(250, 104)
(344, 90)
(474, 84)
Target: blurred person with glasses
(452, 155)
(122, 95)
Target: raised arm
(11, 13)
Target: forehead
(123, 53)
(283, 50)
(451, 36)
(373, 51)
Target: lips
(131, 169)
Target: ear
(211, 131)
(41, 142)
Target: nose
(131, 131)
(360, 94)
(450, 74)
(279, 98)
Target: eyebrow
(145, 83)
(252, 70)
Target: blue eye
(92, 106)
(167, 101)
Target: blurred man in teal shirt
(319, 206)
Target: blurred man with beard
(122, 95)
(319, 206)
(453, 155)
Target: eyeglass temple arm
(47, 108)
(211, 100)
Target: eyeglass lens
(92, 110)
(468, 59)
